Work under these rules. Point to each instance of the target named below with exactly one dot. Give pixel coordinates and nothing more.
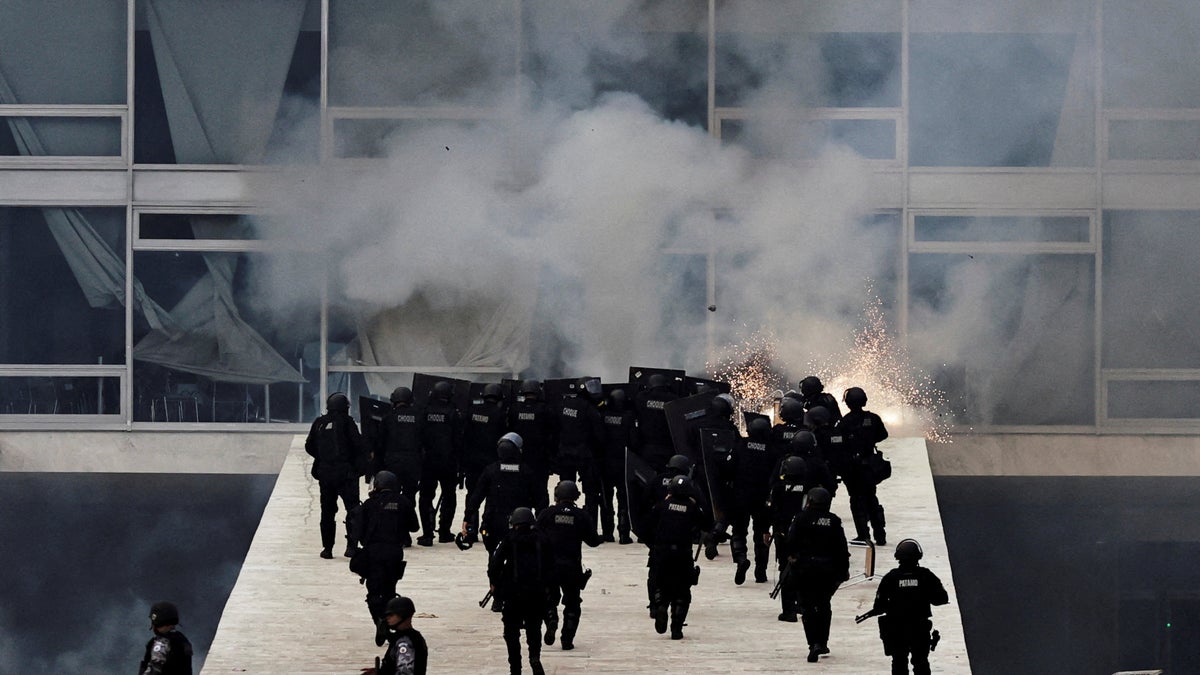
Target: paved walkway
(293, 612)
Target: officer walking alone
(341, 456)
(672, 526)
(903, 599)
(519, 573)
(383, 524)
(820, 560)
(168, 652)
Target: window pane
(1009, 338)
(1177, 140)
(1150, 297)
(373, 137)
(1002, 228)
(64, 51)
(872, 139)
(1149, 54)
(62, 281)
(1166, 399)
(243, 362)
(193, 227)
(63, 395)
(61, 136)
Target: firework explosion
(906, 399)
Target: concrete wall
(144, 451)
(1066, 455)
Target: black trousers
(908, 639)
(331, 490)
(430, 482)
(523, 612)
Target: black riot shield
(423, 384)
(715, 447)
(685, 416)
(639, 485)
(749, 417)
(372, 412)
(699, 385)
(638, 377)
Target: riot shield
(749, 416)
(639, 375)
(423, 384)
(639, 486)
(684, 417)
(372, 411)
(697, 385)
(715, 447)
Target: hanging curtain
(222, 66)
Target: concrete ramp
(293, 612)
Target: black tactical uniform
(441, 434)
(504, 486)
(654, 436)
(400, 442)
(407, 652)
(620, 435)
(341, 456)
(860, 431)
(483, 425)
(169, 652)
(520, 571)
(820, 562)
(580, 434)
(534, 421)
(566, 528)
(904, 597)
(804, 445)
(672, 526)
(813, 394)
(791, 416)
(382, 524)
(789, 486)
(751, 468)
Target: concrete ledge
(1066, 455)
(144, 451)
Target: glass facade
(570, 179)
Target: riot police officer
(860, 431)
(169, 652)
(671, 527)
(519, 573)
(820, 560)
(504, 485)
(580, 434)
(566, 528)
(654, 436)
(752, 467)
(441, 428)
(340, 456)
(534, 421)
(903, 599)
(791, 422)
(788, 491)
(830, 446)
(483, 425)
(407, 652)
(382, 524)
(620, 435)
(813, 394)
(400, 442)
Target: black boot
(762, 553)
(327, 534)
(535, 665)
(660, 615)
(552, 625)
(877, 523)
(623, 528)
(570, 625)
(679, 612)
(859, 511)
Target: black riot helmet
(617, 399)
(817, 416)
(442, 391)
(164, 614)
(493, 391)
(818, 498)
(386, 480)
(794, 468)
(680, 486)
(402, 396)
(721, 406)
(811, 385)
(804, 442)
(680, 463)
(791, 410)
(337, 402)
(759, 428)
(400, 606)
(656, 381)
(566, 490)
(521, 516)
(530, 388)
(508, 448)
(855, 397)
(909, 551)
(590, 387)
(792, 393)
